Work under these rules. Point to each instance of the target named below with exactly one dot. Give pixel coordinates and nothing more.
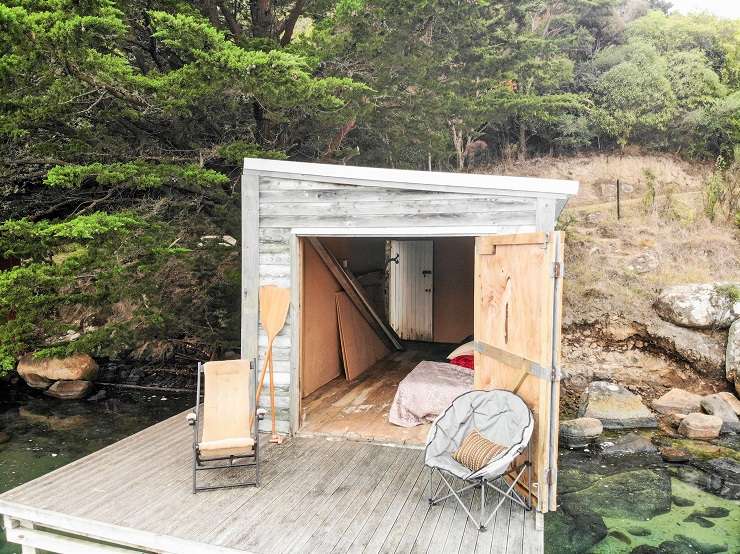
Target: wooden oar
(274, 306)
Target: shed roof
(407, 179)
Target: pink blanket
(427, 391)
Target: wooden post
(619, 214)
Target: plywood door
(517, 329)
(411, 289)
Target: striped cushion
(476, 451)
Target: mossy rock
(637, 495)
(575, 534)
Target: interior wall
(320, 349)
(454, 277)
(453, 298)
(365, 258)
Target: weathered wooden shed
(495, 238)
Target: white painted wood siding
(412, 289)
(286, 204)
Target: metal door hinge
(557, 270)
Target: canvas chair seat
(227, 447)
(500, 416)
(227, 421)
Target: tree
(116, 113)
(632, 93)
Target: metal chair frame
(205, 464)
(482, 482)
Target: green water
(46, 433)
(638, 504)
(724, 531)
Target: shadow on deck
(317, 495)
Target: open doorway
(350, 372)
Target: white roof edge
(411, 177)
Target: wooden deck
(317, 495)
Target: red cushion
(466, 360)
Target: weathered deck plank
(316, 495)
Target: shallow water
(637, 504)
(46, 433)
(724, 530)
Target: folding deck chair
(501, 417)
(225, 430)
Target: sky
(722, 8)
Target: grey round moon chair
(501, 417)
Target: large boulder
(638, 494)
(714, 404)
(705, 306)
(69, 390)
(700, 426)
(704, 350)
(677, 401)
(615, 407)
(732, 355)
(580, 432)
(77, 367)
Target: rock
(677, 401)
(621, 537)
(37, 381)
(705, 306)
(54, 422)
(676, 419)
(682, 502)
(674, 455)
(732, 400)
(615, 407)
(715, 405)
(637, 531)
(580, 432)
(701, 521)
(701, 547)
(644, 263)
(704, 350)
(78, 367)
(638, 494)
(98, 396)
(576, 534)
(714, 512)
(645, 549)
(732, 356)
(629, 445)
(4, 437)
(700, 426)
(720, 476)
(571, 479)
(725, 474)
(674, 547)
(69, 390)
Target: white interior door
(411, 289)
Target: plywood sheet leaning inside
(361, 347)
(320, 352)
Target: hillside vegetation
(616, 267)
(123, 127)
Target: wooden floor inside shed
(317, 495)
(359, 409)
